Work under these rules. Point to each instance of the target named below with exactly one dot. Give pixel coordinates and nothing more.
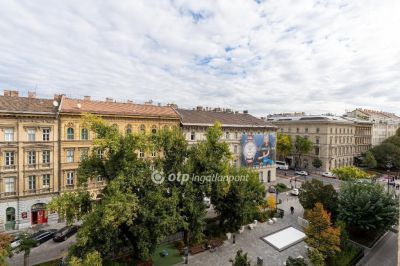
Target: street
(47, 251)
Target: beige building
(336, 140)
(76, 140)
(236, 126)
(384, 124)
(28, 159)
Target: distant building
(238, 129)
(336, 140)
(384, 124)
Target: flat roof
(284, 238)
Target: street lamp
(388, 166)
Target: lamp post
(388, 166)
(276, 200)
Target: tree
(295, 261)
(316, 258)
(241, 259)
(284, 145)
(317, 163)
(5, 248)
(385, 153)
(134, 213)
(367, 207)
(315, 191)
(369, 160)
(348, 173)
(240, 205)
(91, 259)
(271, 202)
(302, 146)
(26, 243)
(320, 233)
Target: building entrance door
(10, 218)
(39, 213)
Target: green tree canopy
(369, 160)
(302, 146)
(241, 259)
(5, 248)
(366, 206)
(295, 261)
(347, 173)
(315, 191)
(385, 153)
(317, 163)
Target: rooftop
(69, 105)
(12, 103)
(226, 118)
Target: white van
(282, 165)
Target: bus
(282, 165)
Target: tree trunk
(26, 259)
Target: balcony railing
(8, 194)
(38, 166)
(9, 168)
(38, 191)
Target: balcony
(37, 166)
(39, 191)
(8, 194)
(9, 168)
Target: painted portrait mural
(258, 150)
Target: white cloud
(276, 56)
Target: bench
(196, 249)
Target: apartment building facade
(28, 159)
(76, 140)
(384, 124)
(237, 127)
(336, 140)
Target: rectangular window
(226, 135)
(317, 140)
(46, 134)
(316, 150)
(141, 153)
(9, 134)
(235, 148)
(297, 130)
(100, 154)
(236, 135)
(46, 180)
(99, 178)
(84, 154)
(192, 135)
(31, 134)
(31, 157)
(46, 157)
(32, 182)
(9, 158)
(9, 185)
(153, 153)
(317, 129)
(70, 178)
(306, 130)
(70, 156)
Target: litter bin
(280, 213)
(260, 261)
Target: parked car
(304, 173)
(328, 174)
(15, 241)
(272, 189)
(65, 232)
(43, 236)
(295, 192)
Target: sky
(263, 56)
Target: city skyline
(264, 57)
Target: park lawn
(346, 256)
(173, 256)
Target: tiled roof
(69, 105)
(10, 104)
(197, 117)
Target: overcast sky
(264, 56)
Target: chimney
(86, 98)
(31, 94)
(57, 97)
(245, 111)
(150, 102)
(129, 101)
(109, 100)
(11, 93)
(7, 93)
(199, 108)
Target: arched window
(128, 129)
(153, 129)
(142, 129)
(84, 134)
(70, 133)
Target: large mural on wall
(258, 150)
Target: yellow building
(28, 159)
(76, 140)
